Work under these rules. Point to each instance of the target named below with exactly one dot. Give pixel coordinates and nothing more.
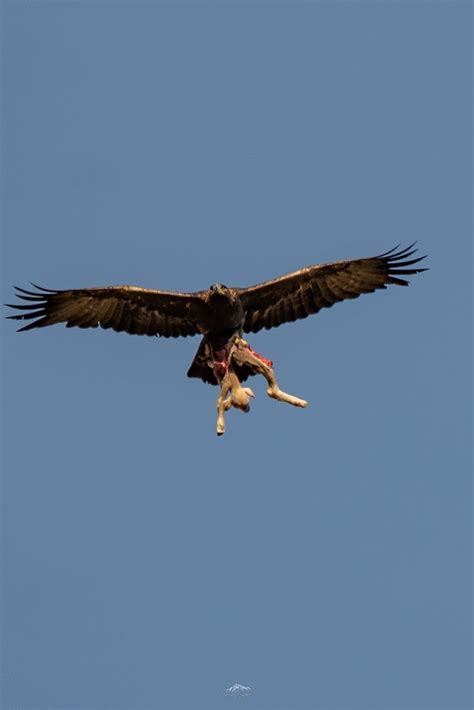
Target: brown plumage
(220, 313)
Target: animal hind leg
(232, 394)
(242, 353)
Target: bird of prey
(219, 314)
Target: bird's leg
(232, 394)
(243, 354)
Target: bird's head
(219, 291)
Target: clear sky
(320, 556)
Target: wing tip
(397, 260)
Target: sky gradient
(321, 556)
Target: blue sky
(321, 556)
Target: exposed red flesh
(260, 357)
(221, 361)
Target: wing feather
(309, 303)
(306, 291)
(131, 309)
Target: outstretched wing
(131, 309)
(306, 291)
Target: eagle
(219, 314)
